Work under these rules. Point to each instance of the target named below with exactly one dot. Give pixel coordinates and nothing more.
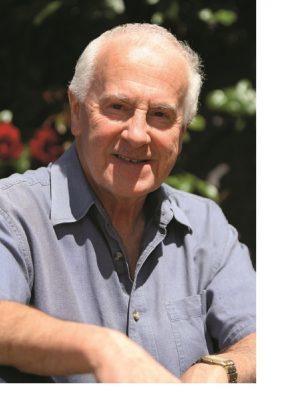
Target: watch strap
(229, 366)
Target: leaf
(206, 15)
(186, 137)
(216, 99)
(236, 100)
(198, 123)
(157, 18)
(206, 189)
(117, 6)
(223, 17)
(192, 184)
(23, 163)
(48, 10)
(226, 17)
(152, 2)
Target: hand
(205, 373)
(123, 361)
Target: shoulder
(25, 191)
(200, 211)
(39, 176)
(211, 232)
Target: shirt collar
(180, 216)
(71, 195)
(167, 207)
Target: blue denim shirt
(194, 287)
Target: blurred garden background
(41, 41)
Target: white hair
(85, 67)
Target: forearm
(37, 343)
(243, 353)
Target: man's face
(129, 129)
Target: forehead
(152, 67)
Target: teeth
(130, 160)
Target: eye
(159, 114)
(116, 109)
(116, 106)
(161, 117)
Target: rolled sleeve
(15, 278)
(231, 293)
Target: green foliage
(48, 10)
(42, 39)
(198, 123)
(157, 18)
(223, 17)
(236, 100)
(152, 2)
(190, 183)
(116, 5)
(24, 162)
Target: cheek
(168, 146)
(168, 153)
(102, 128)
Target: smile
(133, 161)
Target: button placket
(118, 256)
(159, 237)
(139, 325)
(137, 303)
(119, 262)
(113, 242)
(136, 315)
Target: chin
(128, 192)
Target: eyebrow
(127, 99)
(164, 106)
(118, 97)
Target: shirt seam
(235, 335)
(10, 185)
(22, 248)
(217, 265)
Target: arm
(37, 343)
(230, 304)
(242, 353)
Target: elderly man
(107, 274)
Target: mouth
(131, 160)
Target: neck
(126, 214)
(127, 218)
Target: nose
(136, 131)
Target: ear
(75, 108)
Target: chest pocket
(187, 321)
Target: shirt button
(118, 256)
(136, 315)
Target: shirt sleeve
(231, 293)
(15, 277)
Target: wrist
(228, 366)
(94, 346)
(205, 373)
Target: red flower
(44, 146)
(11, 146)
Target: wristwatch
(229, 366)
